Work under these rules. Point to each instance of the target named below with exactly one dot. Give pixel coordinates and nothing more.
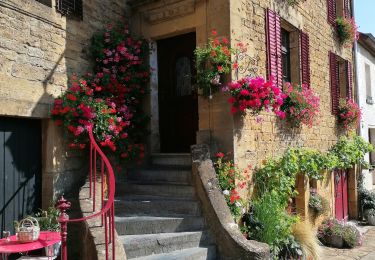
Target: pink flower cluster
(301, 105)
(256, 94)
(349, 113)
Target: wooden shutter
(347, 8)
(331, 10)
(45, 2)
(72, 8)
(305, 58)
(335, 91)
(274, 66)
(349, 80)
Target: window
(338, 8)
(368, 84)
(285, 56)
(45, 2)
(70, 8)
(341, 80)
(288, 57)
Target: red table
(46, 239)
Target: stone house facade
(314, 53)
(40, 48)
(365, 74)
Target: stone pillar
(302, 199)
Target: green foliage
(316, 203)
(280, 174)
(268, 222)
(294, 2)
(228, 173)
(212, 61)
(349, 233)
(346, 30)
(48, 219)
(350, 151)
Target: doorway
(20, 170)
(341, 195)
(178, 102)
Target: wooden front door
(20, 170)
(178, 103)
(341, 194)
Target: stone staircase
(157, 214)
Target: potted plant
(256, 95)
(370, 216)
(349, 113)
(301, 106)
(346, 30)
(213, 61)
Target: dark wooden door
(20, 170)
(341, 195)
(178, 103)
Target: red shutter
(274, 66)
(335, 91)
(305, 58)
(331, 10)
(347, 8)
(349, 80)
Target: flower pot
(371, 220)
(336, 241)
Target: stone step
(168, 159)
(153, 225)
(145, 245)
(196, 253)
(161, 175)
(156, 206)
(155, 189)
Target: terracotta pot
(336, 241)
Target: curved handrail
(106, 212)
(111, 195)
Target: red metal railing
(107, 210)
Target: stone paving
(364, 252)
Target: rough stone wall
(254, 141)
(39, 49)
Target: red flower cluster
(301, 106)
(349, 113)
(257, 95)
(110, 98)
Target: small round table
(46, 240)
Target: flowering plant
(347, 30)
(256, 94)
(110, 98)
(227, 173)
(349, 113)
(301, 106)
(212, 62)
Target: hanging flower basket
(347, 30)
(349, 114)
(213, 62)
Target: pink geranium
(256, 95)
(349, 113)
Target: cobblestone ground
(364, 252)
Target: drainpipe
(359, 102)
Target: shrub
(268, 222)
(110, 98)
(306, 237)
(367, 199)
(301, 106)
(256, 94)
(349, 114)
(347, 30)
(315, 203)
